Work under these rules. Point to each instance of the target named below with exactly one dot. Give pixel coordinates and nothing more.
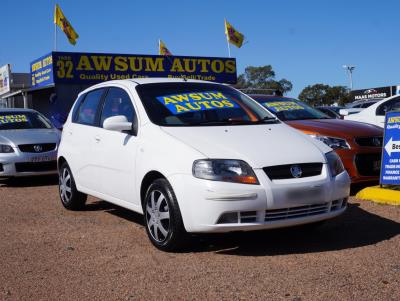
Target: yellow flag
(65, 26)
(234, 37)
(162, 49)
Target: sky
(306, 42)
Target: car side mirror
(117, 123)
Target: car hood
(258, 145)
(30, 136)
(337, 128)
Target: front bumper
(362, 163)
(20, 164)
(211, 206)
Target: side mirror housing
(117, 123)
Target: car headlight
(332, 142)
(4, 148)
(235, 171)
(335, 163)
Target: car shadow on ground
(355, 188)
(115, 210)
(355, 228)
(29, 181)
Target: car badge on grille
(37, 148)
(296, 171)
(376, 141)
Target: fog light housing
(228, 218)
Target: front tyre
(164, 225)
(70, 197)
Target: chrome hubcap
(157, 216)
(65, 186)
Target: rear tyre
(70, 197)
(163, 220)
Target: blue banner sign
(390, 171)
(42, 71)
(91, 68)
(192, 102)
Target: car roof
(143, 81)
(357, 102)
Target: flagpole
(229, 47)
(55, 37)
(227, 38)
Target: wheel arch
(149, 178)
(60, 161)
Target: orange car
(359, 145)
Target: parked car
(193, 157)
(375, 114)
(28, 144)
(358, 145)
(357, 106)
(332, 112)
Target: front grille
(274, 215)
(296, 212)
(368, 164)
(279, 172)
(40, 148)
(36, 167)
(369, 141)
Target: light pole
(349, 69)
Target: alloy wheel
(157, 216)
(65, 186)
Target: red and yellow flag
(66, 27)
(162, 49)
(233, 36)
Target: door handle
(97, 138)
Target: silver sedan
(28, 144)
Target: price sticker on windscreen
(196, 101)
(279, 106)
(4, 119)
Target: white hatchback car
(375, 114)
(195, 156)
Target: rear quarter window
(87, 110)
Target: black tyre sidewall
(177, 235)
(78, 199)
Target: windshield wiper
(265, 120)
(211, 122)
(268, 119)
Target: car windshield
(200, 104)
(23, 120)
(287, 109)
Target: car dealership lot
(47, 252)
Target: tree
(320, 94)
(262, 78)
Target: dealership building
(13, 88)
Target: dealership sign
(91, 68)
(375, 93)
(5, 79)
(390, 171)
(372, 93)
